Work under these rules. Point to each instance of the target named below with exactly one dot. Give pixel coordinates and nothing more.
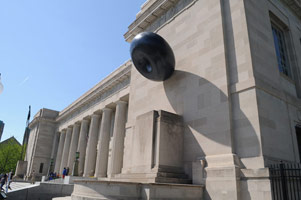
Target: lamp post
(1, 85)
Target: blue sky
(53, 51)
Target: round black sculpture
(152, 56)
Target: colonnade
(91, 138)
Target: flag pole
(26, 134)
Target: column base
(222, 177)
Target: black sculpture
(152, 56)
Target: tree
(10, 151)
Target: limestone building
(231, 108)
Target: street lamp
(1, 85)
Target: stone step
(173, 180)
(20, 186)
(153, 175)
(91, 190)
(172, 175)
(58, 180)
(160, 177)
(62, 198)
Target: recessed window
(298, 134)
(281, 50)
(41, 168)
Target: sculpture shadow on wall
(206, 112)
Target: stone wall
(238, 108)
(45, 191)
(40, 142)
(278, 96)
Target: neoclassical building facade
(231, 108)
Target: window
(41, 168)
(298, 134)
(281, 50)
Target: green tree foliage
(10, 151)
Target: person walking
(3, 181)
(33, 177)
(64, 172)
(9, 180)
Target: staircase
(159, 177)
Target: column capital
(120, 102)
(84, 121)
(76, 125)
(105, 109)
(95, 115)
(69, 129)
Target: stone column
(73, 146)
(103, 144)
(66, 149)
(56, 139)
(55, 143)
(60, 152)
(118, 138)
(82, 144)
(90, 160)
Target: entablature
(117, 80)
(295, 6)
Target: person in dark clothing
(67, 171)
(10, 178)
(64, 172)
(3, 180)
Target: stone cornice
(295, 6)
(40, 119)
(151, 11)
(116, 77)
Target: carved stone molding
(295, 6)
(109, 86)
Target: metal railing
(285, 181)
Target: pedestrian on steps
(64, 172)
(33, 177)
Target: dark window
(281, 50)
(298, 134)
(41, 168)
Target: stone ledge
(295, 6)
(151, 11)
(262, 173)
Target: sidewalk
(20, 185)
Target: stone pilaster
(73, 145)
(103, 144)
(90, 160)
(60, 152)
(82, 144)
(55, 144)
(66, 149)
(118, 138)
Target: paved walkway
(20, 185)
